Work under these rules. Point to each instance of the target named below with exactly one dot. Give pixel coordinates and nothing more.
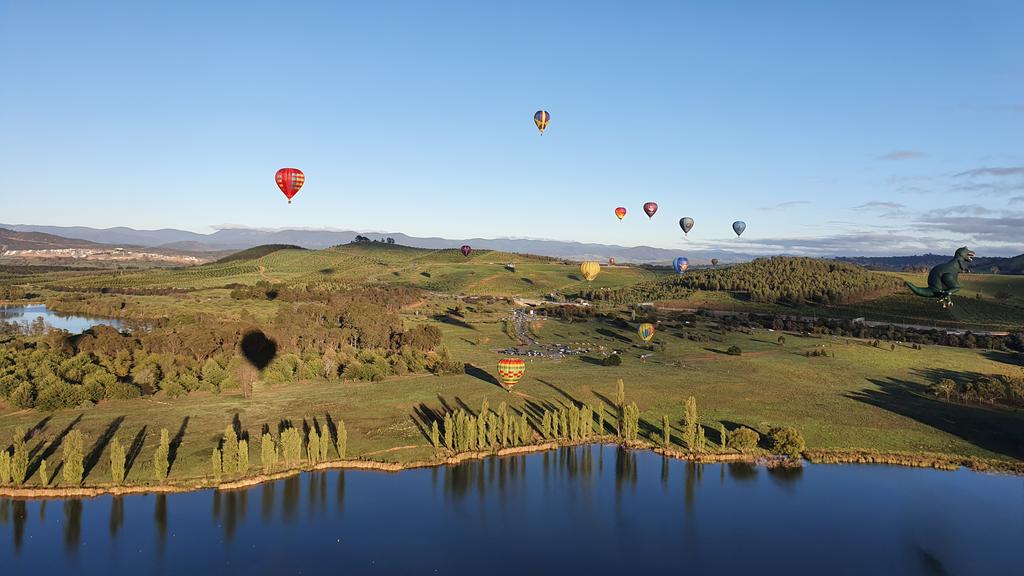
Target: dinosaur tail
(925, 292)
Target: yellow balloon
(590, 270)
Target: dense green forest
(356, 334)
(779, 279)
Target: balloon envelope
(650, 208)
(541, 119)
(680, 265)
(290, 180)
(611, 261)
(686, 223)
(590, 270)
(510, 371)
(645, 331)
(738, 227)
(466, 250)
(620, 212)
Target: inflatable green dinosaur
(944, 279)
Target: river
(587, 510)
(26, 315)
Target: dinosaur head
(964, 257)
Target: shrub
(734, 351)
(743, 439)
(612, 360)
(787, 441)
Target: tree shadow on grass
(101, 443)
(134, 450)
(39, 454)
(1011, 358)
(481, 374)
(613, 335)
(592, 360)
(572, 400)
(994, 430)
(172, 452)
(452, 321)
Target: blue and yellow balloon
(541, 119)
(680, 265)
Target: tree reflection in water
(116, 515)
(72, 524)
(160, 519)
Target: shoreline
(944, 462)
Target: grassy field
(988, 302)
(863, 397)
(483, 273)
(856, 397)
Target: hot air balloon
(714, 261)
(680, 265)
(646, 331)
(738, 227)
(290, 180)
(541, 119)
(466, 250)
(651, 208)
(611, 261)
(620, 212)
(510, 371)
(686, 223)
(590, 270)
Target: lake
(74, 324)
(588, 510)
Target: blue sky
(869, 127)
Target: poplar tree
(524, 429)
(268, 452)
(291, 445)
(216, 466)
(44, 479)
(342, 439)
(229, 451)
(313, 446)
(690, 423)
(449, 424)
(73, 467)
(117, 460)
(666, 431)
(325, 445)
(5, 467)
(545, 426)
(600, 418)
(19, 462)
(620, 400)
(161, 456)
(701, 439)
(721, 435)
(563, 424)
(243, 456)
(435, 435)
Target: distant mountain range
(1013, 265)
(175, 241)
(242, 238)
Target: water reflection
(335, 522)
(116, 515)
(72, 524)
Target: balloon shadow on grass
(258, 349)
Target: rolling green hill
(483, 272)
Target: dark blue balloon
(680, 265)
